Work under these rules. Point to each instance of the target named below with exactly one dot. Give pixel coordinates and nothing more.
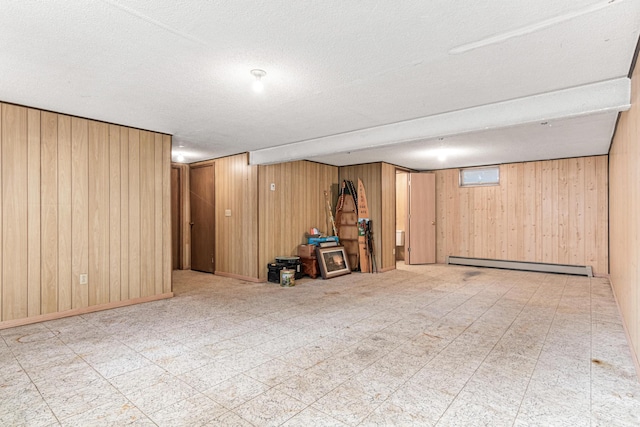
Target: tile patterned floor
(425, 346)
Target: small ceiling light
(180, 158)
(442, 157)
(258, 85)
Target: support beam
(608, 96)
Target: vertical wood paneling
(441, 218)
(49, 212)
(490, 204)
(134, 214)
(158, 274)
(14, 212)
(98, 213)
(469, 222)
(514, 198)
(602, 218)
(115, 256)
(124, 213)
(529, 200)
(387, 258)
(465, 213)
(147, 215)
(166, 213)
(33, 211)
(478, 240)
(624, 182)
(1, 257)
(300, 184)
(80, 209)
(576, 205)
(64, 213)
(519, 207)
(547, 183)
(590, 210)
(236, 189)
(541, 212)
(563, 211)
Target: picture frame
(333, 261)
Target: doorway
(176, 218)
(402, 204)
(201, 179)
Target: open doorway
(415, 217)
(401, 212)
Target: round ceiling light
(258, 85)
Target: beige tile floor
(430, 345)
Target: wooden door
(421, 219)
(202, 218)
(175, 219)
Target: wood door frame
(184, 263)
(180, 242)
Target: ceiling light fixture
(180, 158)
(258, 85)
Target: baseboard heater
(582, 270)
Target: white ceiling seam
(155, 22)
(499, 38)
(607, 96)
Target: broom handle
(333, 222)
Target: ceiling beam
(607, 96)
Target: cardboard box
(307, 251)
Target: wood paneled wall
(388, 233)
(624, 203)
(296, 205)
(551, 211)
(80, 197)
(236, 188)
(377, 177)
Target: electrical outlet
(84, 279)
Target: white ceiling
(338, 74)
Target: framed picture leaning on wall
(332, 261)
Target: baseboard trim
(581, 270)
(634, 355)
(239, 277)
(78, 311)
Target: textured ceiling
(333, 67)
